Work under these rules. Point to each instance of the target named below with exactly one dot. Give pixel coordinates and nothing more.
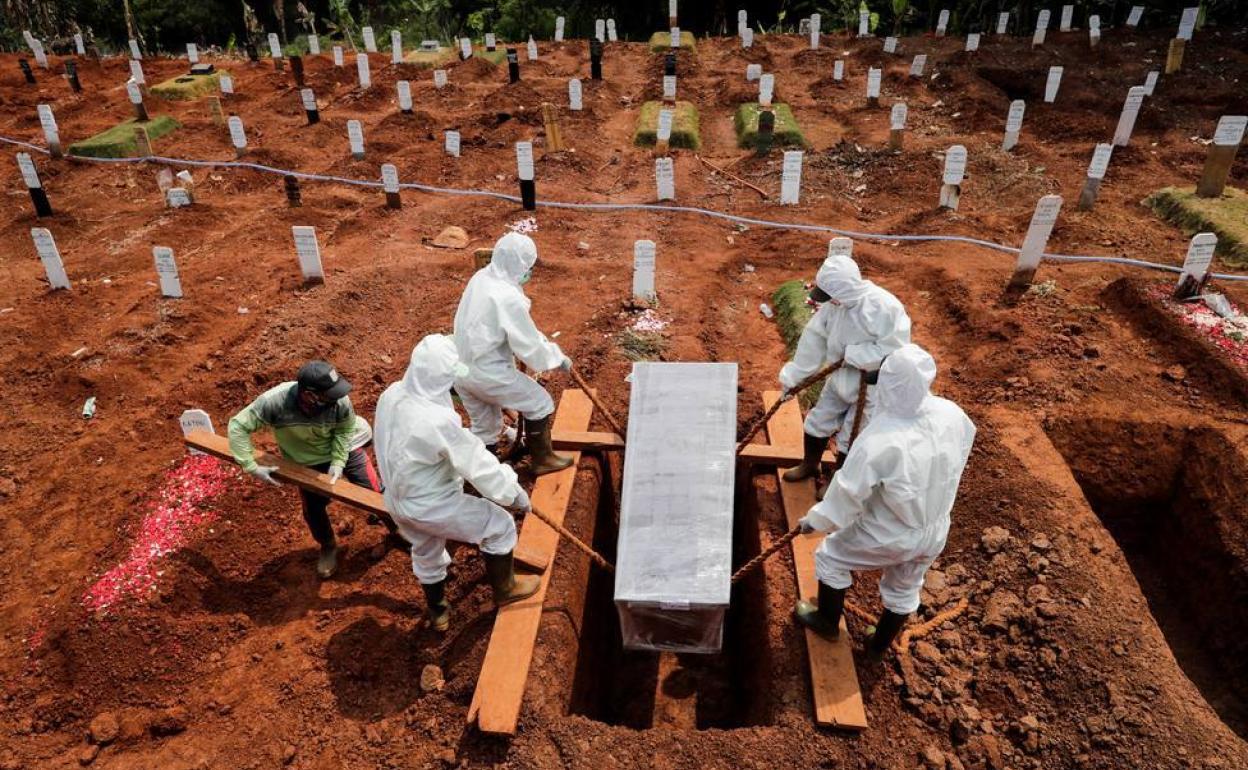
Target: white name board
(29, 175)
(816, 22)
(405, 95)
(972, 41)
(671, 9)
(79, 45)
(675, 37)
(600, 30)
(559, 22)
(177, 198)
(1150, 82)
(838, 70)
(1003, 22)
(48, 122)
(574, 95)
(669, 88)
(370, 40)
(1094, 23)
(439, 79)
(1038, 231)
(643, 271)
(338, 57)
(1187, 23)
(1133, 18)
(237, 136)
(308, 251)
(167, 271)
(50, 257)
(791, 178)
(942, 22)
(665, 178)
(1068, 16)
(389, 178)
(955, 164)
(1126, 121)
(917, 65)
(355, 136)
(611, 34)
(524, 160)
(664, 130)
(227, 84)
(873, 83)
(309, 99)
(135, 53)
(491, 42)
(361, 67)
(1199, 257)
(134, 92)
(452, 143)
(41, 57)
(136, 72)
(1042, 25)
(192, 53)
(275, 46)
(195, 420)
(465, 48)
(766, 89)
(1051, 85)
(396, 47)
(747, 38)
(314, 45)
(864, 23)
(1230, 130)
(532, 49)
(753, 72)
(897, 120)
(840, 246)
(1100, 161)
(1014, 119)
(890, 45)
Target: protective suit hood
(433, 368)
(905, 381)
(840, 278)
(514, 255)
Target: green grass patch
(432, 59)
(119, 141)
(684, 126)
(792, 313)
(187, 87)
(641, 346)
(787, 132)
(662, 41)
(1225, 217)
(496, 57)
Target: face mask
(525, 278)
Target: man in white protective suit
(492, 329)
(889, 505)
(425, 455)
(858, 323)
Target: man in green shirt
(314, 423)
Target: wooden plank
(833, 680)
(784, 456)
(764, 454)
(586, 441)
(342, 492)
(500, 686)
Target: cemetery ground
(1101, 534)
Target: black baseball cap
(321, 377)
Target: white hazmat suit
(890, 502)
(862, 323)
(492, 329)
(425, 455)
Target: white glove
(806, 524)
(335, 473)
(566, 364)
(521, 502)
(265, 473)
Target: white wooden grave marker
(841, 246)
(766, 89)
(355, 136)
(600, 30)
(465, 48)
(1096, 173)
(612, 36)
(237, 135)
(942, 23)
(954, 171)
(177, 198)
(195, 420)
(41, 56)
(559, 22)
(275, 47)
(51, 134)
(1013, 124)
(361, 67)
(1126, 121)
(665, 178)
(192, 53)
(1196, 265)
(1094, 30)
(1042, 26)
(309, 253)
(1068, 16)
(747, 37)
(227, 84)
(405, 95)
(136, 72)
(791, 178)
(1003, 22)
(890, 45)
(917, 65)
(663, 132)
(532, 49)
(339, 61)
(972, 42)
(370, 40)
(1133, 18)
(1187, 23)
(643, 271)
(167, 271)
(314, 45)
(1052, 83)
(135, 53)
(50, 256)
(815, 22)
(396, 47)
(524, 161)
(675, 40)
(574, 95)
(897, 125)
(439, 79)
(669, 88)
(79, 45)
(1042, 221)
(838, 70)
(873, 84)
(864, 23)
(29, 174)
(452, 143)
(1150, 82)
(753, 72)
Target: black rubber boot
(886, 630)
(508, 588)
(812, 454)
(439, 607)
(542, 455)
(327, 561)
(822, 487)
(823, 618)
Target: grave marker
(193, 420)
(890, 45)
(296, 69)
(753, 72)
(532, 49)
(665, 178)
(815, 22)
(439, 79)
(396, 47)
(79, 45)
(1126, 121)
(177, 198)
(136, 100)
(491, 42)
(1226, 141)
(50, 256)
(1052, 83)
(136, 72)
(841, 246)
(1068, 16)
(370, 40)
(574, 95)
(275, 51)
(404, 89)
(361, 68)
(864, 22)
(766, 89)
(355, 137)
(1150, 82)
(1042, 26)
(747, 38)
(513, 65)
(675, 37)
(838, 70)
(309, 106)
(1013, 124)
(873, 87)
(237, 136)
(51, 134)
(1174, 55)
(1003, 22)
(309, 253)
(135, 53)
(1042, 221)
(643, 271)
(1187, 23)
(30, 176)
(390, 184)
(293, 198)
(917, 65)
(1094, 30)
(1133, 18)
(791, 178)
(671, 13)
(955, 170)
(1196, 266)
(452, 143)
(942, 23)
(314, 45)
(663, 132)
(600, 30)
(669, 89)
(524, 169)
(612, 37)
(227, 84)
(338, 56)
(972, 42)
(192, 53)
(167, 271)
(897, 126)
(71, 74)
(559, 22)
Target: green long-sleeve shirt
(316, 439)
